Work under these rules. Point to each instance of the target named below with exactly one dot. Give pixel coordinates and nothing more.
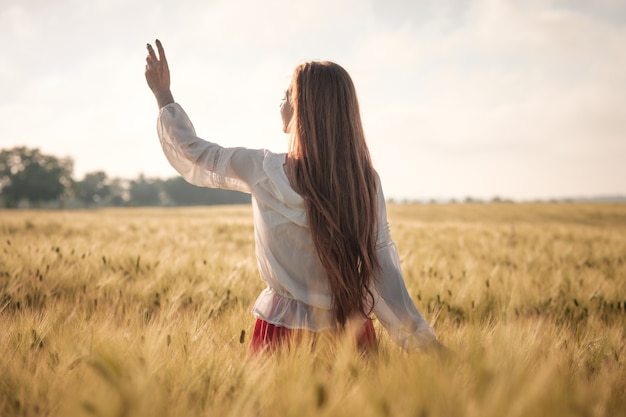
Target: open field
(145, 312)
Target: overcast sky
(517, 99)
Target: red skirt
(268, 337)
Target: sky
(517, 99)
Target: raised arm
(200, 162)
(158, 75)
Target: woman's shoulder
(262, 158)
(273, 160)
(261, 163)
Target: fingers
(151, 59)
(161, 51)
(152, 55)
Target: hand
(158, 75)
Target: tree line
(31, 178)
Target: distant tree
(93, 188)
(145, 192)
(181, 193)
(27, 174)
(119, 192)
(471, 200)
(498, 199)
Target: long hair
(333, 171)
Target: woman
(321, 233)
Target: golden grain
(136, 312)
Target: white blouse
(297, 294)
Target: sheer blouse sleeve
(393, 306)
(204, 163)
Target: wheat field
(145, 312)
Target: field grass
(145, 312)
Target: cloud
(451, 91)
(537, 87)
